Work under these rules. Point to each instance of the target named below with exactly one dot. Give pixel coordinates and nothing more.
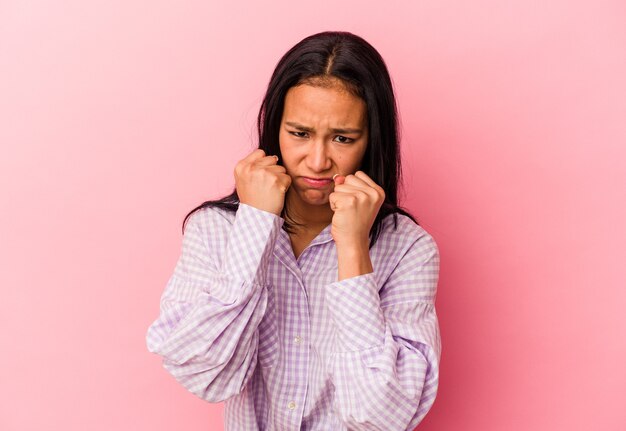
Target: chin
(314, 197)
(319, 202)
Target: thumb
(339, 179)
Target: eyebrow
(310, 129)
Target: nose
(317, 158)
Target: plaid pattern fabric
(284, 343)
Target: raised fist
(261, 182)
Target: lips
(317, 182)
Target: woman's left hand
(356, 201)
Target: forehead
(330, 106)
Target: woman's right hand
(261, 183)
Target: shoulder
(211, 223)
(403, 232)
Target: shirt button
(297, 339)
(291, 405)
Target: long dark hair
(351, 59)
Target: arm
(386, 362)
(212, 305)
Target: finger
(349, 188)
(342, 200)
(266, 161)
(286, 182)
(332, 200)
(276, 168)
(353, 185)
(254, 155)
(339, 179)
(364, 177)
(360, 195)
(356, 181)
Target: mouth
(317, 182)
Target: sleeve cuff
(354, 305)
(250, 244)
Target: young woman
(306, 298)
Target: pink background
(117, 117)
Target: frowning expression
(323, 132)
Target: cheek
(285, 153)
(289, 160)
(281, 146)
(352, 160)
(293, 153)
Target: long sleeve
(385, 367)
(214, 301)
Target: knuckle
(238, 168)
(360, 195)
(252, 174)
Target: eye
(347, 140)
(296, 134)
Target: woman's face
(323, 132)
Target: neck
(313, 217)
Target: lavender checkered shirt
(286, 345)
